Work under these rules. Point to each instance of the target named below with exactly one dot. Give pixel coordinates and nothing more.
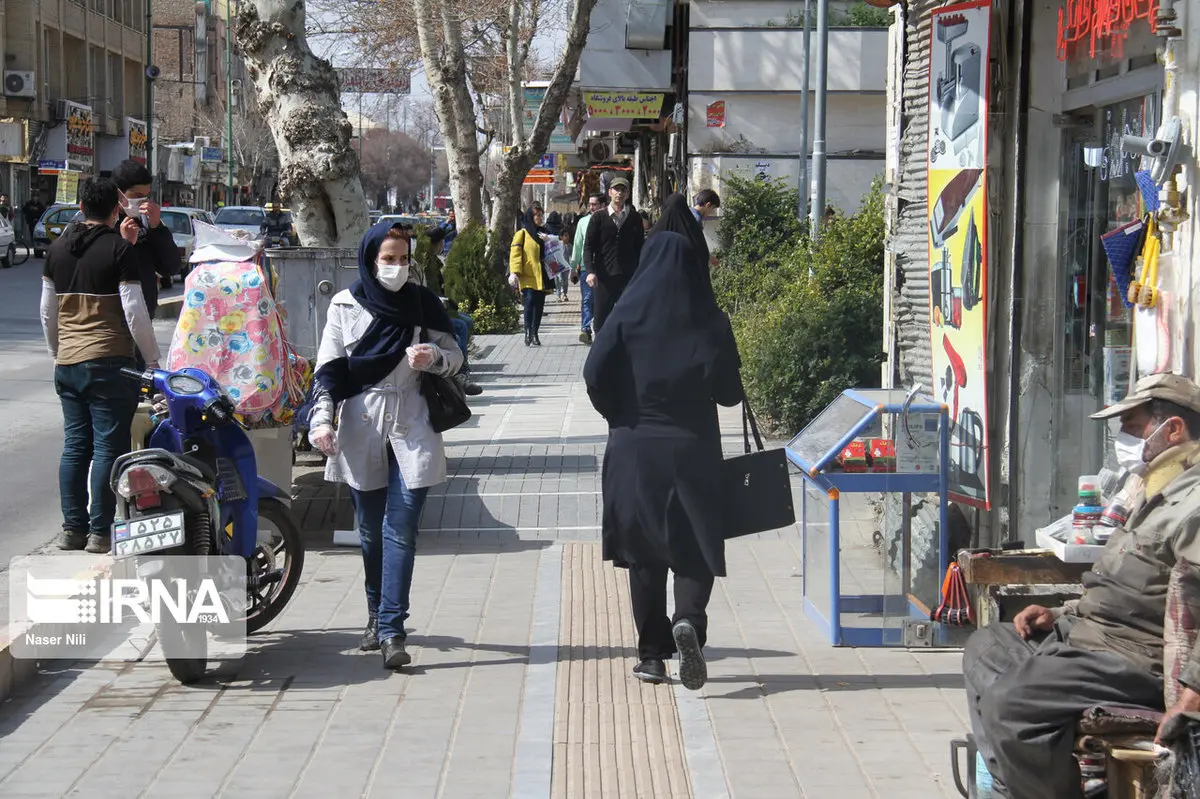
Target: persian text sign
(1103, 24)
(357, 80)
(716, 114)
(958, 244)
(81, 148)
(560, 140)
(135, 132)
(624, 105)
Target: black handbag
(758, 488)
(447, 403)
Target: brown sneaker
(71, 541)
(98, 544)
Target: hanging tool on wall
(1143, 292)
(955, 608)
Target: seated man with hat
(1029, 682)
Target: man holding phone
(155, 246)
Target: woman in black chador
(658, 368)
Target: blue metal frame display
(833, 483)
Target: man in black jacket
(155, 245)
(613, 248)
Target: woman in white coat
(368, 375)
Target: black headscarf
(385, 342)
(677, 217)
(534, 232)
(665, 330)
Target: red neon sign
(1101, 22)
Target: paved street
(31, 434)
(522, 638)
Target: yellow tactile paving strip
(613, 736)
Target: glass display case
(866, 450)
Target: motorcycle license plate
(147, 534)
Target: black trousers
(648, 592)
(604, 298)
(535, 305)
(1025, 700)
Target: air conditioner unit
(201, 141)
(599, 150)
(18, 83)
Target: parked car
(182, 224)
(51, 225)
(8, 246)
(241, 217)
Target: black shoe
(528, 338)
(585, 337)
(693, 671)
(98, 544)
(537, 342)
(651, 670)
(469, 388)
(71, 541)
(394, 654)
(370, 636)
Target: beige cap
(619, 181)
(1164, 386)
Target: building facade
(745, 78)
(75, 90)
(1003, 300)
(202, 101)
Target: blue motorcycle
(195, 490)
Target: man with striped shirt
(93, 315)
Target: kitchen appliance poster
(958, 244)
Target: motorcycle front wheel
(280, 548)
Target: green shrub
(820, 331)
(759, 230)
(478, 290)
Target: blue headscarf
(395, 315)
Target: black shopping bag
(758, 489)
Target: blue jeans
(586, 291)
(462, 325)
(98, 404)
(387, 527)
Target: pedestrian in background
(369, 369)
(156, 249)
(527, 271)
(578, 269)
(613, 248)
(705, 205)
(93, 313)
(656, 373)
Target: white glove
(591, 280)
(324, 438)
(514, 281)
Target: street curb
(15, 671)
(169, 308)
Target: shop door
(1095, 354)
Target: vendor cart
(872, 441)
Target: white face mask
(391, 276)
(1129, 449)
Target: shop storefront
(1058, 340)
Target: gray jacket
(392, 413)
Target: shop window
(1094, 322)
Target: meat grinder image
(947, 301)
(960, 82)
